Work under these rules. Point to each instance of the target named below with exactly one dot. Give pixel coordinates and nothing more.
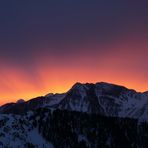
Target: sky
(47, 46)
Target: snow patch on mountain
(17, 131)
(102, 98)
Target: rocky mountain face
(88, 115)
(33, 104)
(101, 98)
(106, 99)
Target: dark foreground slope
(75, 129)
(71, 129)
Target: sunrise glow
(48, 47)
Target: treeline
(71, 129)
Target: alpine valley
(100, 115)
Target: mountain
(106, 99)
(102, 98)
(45, 128)
(20, 101)
(16, 131)
(23, 107)
(88, 115)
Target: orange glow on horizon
(48, 47)
(18, 85)
(121, 67)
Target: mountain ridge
(88, 115)
(102, 98)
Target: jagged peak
(145, 93)
(106, 85)
(49, 94)
(77, 85)
(20, 101)
(82, 86)
(111, 85)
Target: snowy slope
(106, 99)
(21, 108)
(17, 128)
(102, 98)
(17, 131)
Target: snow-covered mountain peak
(78, 89)
(25, 124)
(145, 93)
(101, 98)
(109, 86)
(78, 85)
(49, 95)
(20, 101)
